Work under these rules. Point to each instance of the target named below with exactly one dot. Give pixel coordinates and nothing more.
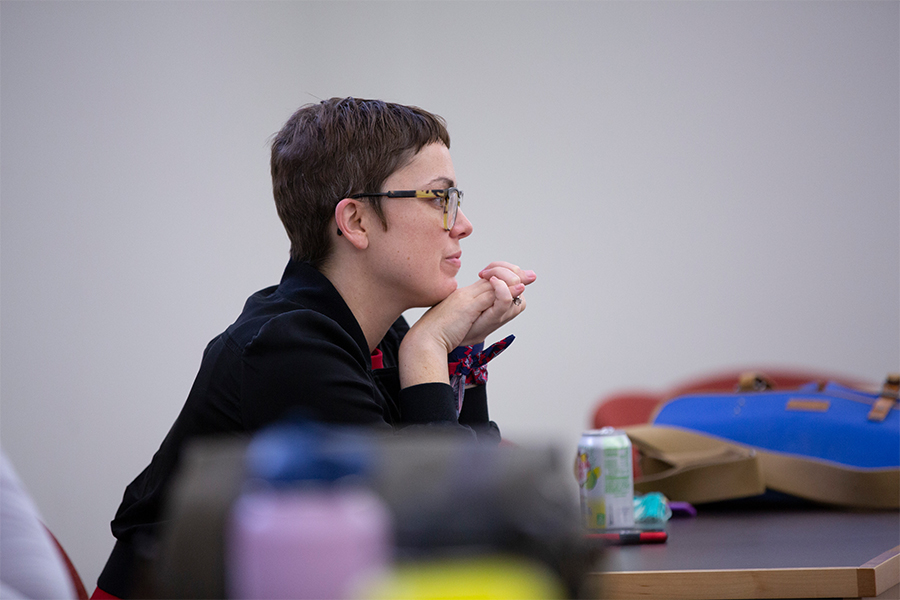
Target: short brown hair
(336, 148)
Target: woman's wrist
(422, 360)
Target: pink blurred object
(306, 543)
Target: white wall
(698, 185)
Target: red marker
(630, 536)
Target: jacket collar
(306, 285)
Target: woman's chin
(448, 288)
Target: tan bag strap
(887, 400)
(752, 381)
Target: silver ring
(517, 300)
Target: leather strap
(751, 381)
(887, 400)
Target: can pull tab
(887, 399)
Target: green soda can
(605, 479)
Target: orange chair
(77, 583)
(635, 407)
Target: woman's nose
(463, 227)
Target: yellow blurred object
(494, 577)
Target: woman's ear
(348, 216)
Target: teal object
(651, 509)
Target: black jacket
(295, 347)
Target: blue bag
(830, 444)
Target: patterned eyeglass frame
(444, 195)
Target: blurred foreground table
(753, 551)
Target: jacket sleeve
(304, 363)
(474, 414)
(420, 403)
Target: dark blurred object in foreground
(458, 511)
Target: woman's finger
(509, 272)
(509, 301)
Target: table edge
(870, 579)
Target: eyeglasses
(450, 200)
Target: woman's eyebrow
(435, 183)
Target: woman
(366, 191)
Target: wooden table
(761, 551)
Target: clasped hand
(464, 318)
(471, 313)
